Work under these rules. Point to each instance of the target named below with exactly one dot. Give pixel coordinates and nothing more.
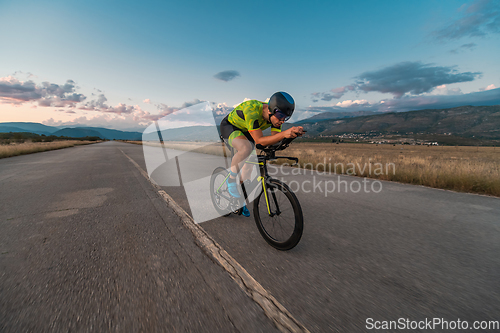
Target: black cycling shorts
(228, 131)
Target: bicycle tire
(268, 225)
(218, 176)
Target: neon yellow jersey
(247, 116)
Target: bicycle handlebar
(283, 144)
(277, 146)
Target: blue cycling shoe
(232, 188)
(245, 211)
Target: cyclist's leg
(239, 141)
(247, 168)
(243, 149)
(246, 172)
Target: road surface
(87, 242)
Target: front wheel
(278, 215)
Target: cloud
(134, 113)
(411, 77)
(227, 75)
(164, 110)
(188, 104)
(468, 46)
(95, 104)
(65, 98)
(351, 103)
(334, 93)
(444, 90)
(46, 94)
(121, 109)
(101, 120)
(490, 87)
(408, 103)
(17, 92)
(479, 19)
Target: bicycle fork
(268, 204)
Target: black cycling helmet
(283, 103)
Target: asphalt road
(406, 252)
(86, 244)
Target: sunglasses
(280, 115)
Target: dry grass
(15, 149)
(465, 169)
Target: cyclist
(242, 129)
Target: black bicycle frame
(269, 155)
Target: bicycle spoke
(278, 227)
(220, 194)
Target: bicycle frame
(283, 223)
(263, 179)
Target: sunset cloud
(491, 86)
(46, 94)
(350, 103)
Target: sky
(123, 64)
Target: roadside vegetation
(14, 144)
(458, 168)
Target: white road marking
(283, 319)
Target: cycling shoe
(245, 211)
(232, 188)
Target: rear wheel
(219, 192)
(281, 224)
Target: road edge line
(280, 316)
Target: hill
(455, 123)
(27, 127)
(335, 115)
(111, 134)
(190, 133)
(467, 121)
(37, 128)
(77, 133)
(7, 129)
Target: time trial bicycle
(276, 209)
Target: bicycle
(276, 209)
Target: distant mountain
(465, 121)
(111, 134)
(190, 133)
(335, 115)
(7, 129)
(479, 121)
(37, 128)
(77, 133)
(29, 127)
